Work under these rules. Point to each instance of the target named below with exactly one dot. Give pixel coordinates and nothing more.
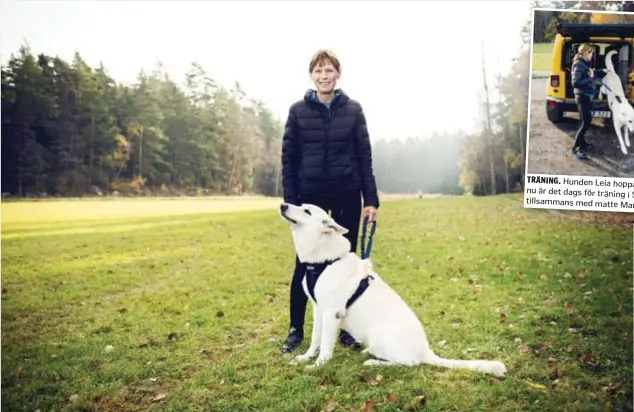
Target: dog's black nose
(283, 207)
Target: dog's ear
(330, 227)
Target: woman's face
(325, 77)
(588, 55)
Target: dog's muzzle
(283, 209)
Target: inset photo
(581, 115)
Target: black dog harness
(314, 270)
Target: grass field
(138, 310)
(542, 56)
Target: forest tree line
(69, 129)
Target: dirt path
(549, 144)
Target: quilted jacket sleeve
(291, 157)
(364, 159)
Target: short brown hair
(324, 56)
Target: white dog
(377, 316)
(622, 111)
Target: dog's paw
(319, 362)
(372, 362)
(301, 358)
(497, 369)
(378, 362)
(315, 365)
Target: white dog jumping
(622, 111)
(345, 292)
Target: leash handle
(365, 253)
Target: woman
(326, 161)
(584, 89)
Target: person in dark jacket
(584, 84)
(326, 161)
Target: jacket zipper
(327, 141)
(327, 137)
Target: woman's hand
(370, 212)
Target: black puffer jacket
(326, 151)
(581, 80)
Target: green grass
(542, 56)
(195, 306)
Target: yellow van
(560, 97)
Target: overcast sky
(415, 66)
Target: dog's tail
(495, 368)
(608, 60)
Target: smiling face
(324, 70)
(324, 77)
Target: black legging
(584, 105)
(346, 211)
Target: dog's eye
(325, 222)
(307, 212)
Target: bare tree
(488, 131)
